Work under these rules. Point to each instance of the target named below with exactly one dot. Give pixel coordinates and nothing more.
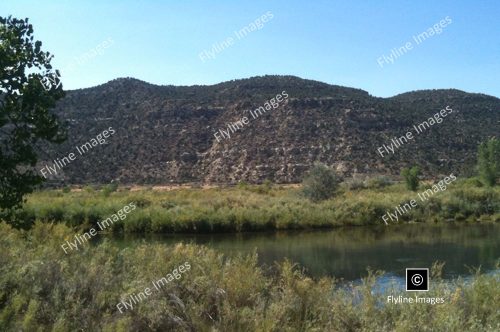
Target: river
(347, 252)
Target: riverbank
(41, 287)
(257, 208)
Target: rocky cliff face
(165, 134)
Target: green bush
(410, 176)
(242, 185)
(473, 182)
(354, 184)
(89, 189)
(321, 183)
(168, 204)
(378, 182)
(136, 222)
(489, 161)
(109, 188)
(52, 213)
(142, 202)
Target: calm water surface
(347, 252)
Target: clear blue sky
(337, 42)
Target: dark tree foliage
(29, 89)
(411, 177)
(321, 183)
(488, 161)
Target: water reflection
(348, 252)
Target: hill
(165, 134)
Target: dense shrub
(377, 182)
(109, 188)
(242, 185)
(473, 182)
(354, 184)
(89, 189)
(321, 183)
(410, 176)
(141, 202)
(489, 161)
(168, 204)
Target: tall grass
(257, 208)
(43, 289)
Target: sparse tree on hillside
(29, 88)
(488, 161)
